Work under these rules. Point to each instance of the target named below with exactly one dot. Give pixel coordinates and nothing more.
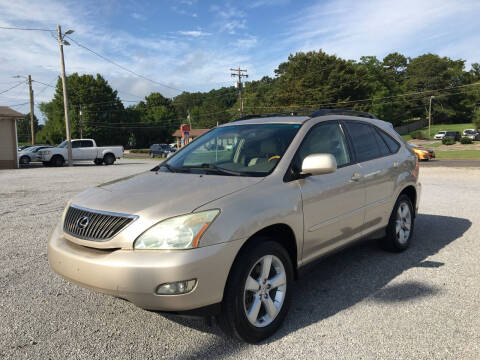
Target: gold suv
(223, 226)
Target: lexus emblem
(83, 222)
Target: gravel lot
(360, 303)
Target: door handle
(356, 177)
(395, 164)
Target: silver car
(224, 232)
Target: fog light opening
(176, 288)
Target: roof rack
(283, 113)
(309, 113)
(323, 112)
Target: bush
(448, 141)
(466, 140)
(140, 151)
(418, 135)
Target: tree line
(396, 88)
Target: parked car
(82, 150)
(440, 135)
(471, 134)
(30, 154)
(455, 135)
(422, 153)
(161, 150)
(23, 147)
(226, 235)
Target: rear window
(391, 143)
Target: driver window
(76, 144)
(325, 139)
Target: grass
(435, 144)
(458, 154)
(438, 127)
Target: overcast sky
(191, 44)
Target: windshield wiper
(216, 168)
(168, 167)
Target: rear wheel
(400, 226)
(258, 292)
(57, 161)
(109, 159)
(24, 160)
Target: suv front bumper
(134, 275)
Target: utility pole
(81, 122)
(31, 108)
(62, 42)
(430, 115)
(240, 73)
(32, 115)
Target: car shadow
(360, 272)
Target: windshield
(468, 131)
(248, 150)
(63, 144)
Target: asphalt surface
(450, 163)
(362, 303)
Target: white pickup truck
(82, 150)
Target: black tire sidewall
(109, 159)
(24, 160)
(58, 161)
(391, 239)
(233, 302)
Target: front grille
(94, 225)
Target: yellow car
(422, 154)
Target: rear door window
(365, 144)
(87, 143)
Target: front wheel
(400, 226)
(24, 160)
(57, 161)
(258, 292)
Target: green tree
(156, 120)
(102, 111)
(24, 132)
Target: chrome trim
(98, 231)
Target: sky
(191, 45)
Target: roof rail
(323, 112)
(283, 113)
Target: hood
(161, 195)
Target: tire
(24, 160)
(238, 300)
(98, 161)
(57, 161)
(398, 236)
(109, 159)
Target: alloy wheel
(264, 291)
(403, 223)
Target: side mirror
(317, 164)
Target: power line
(25, 103)
(13, 87)
(123, 67)
(24, 29)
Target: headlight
(181, 232)
(45, 152)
